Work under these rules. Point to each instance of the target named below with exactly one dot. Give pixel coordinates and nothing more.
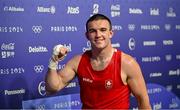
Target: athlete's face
(99, 33)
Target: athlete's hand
(59, 52)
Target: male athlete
(106, 75)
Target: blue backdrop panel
(147, 30)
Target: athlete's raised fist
(59, 52)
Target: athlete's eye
(103, 29)
(91, 30)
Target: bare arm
(136, 81)
(56, 80)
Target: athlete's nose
(98, 33)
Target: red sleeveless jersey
(102, 89)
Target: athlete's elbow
(143, 103)
(51, 89)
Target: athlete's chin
(99, 47)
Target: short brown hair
(98, 17)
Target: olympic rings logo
(38, 68)
(41, 107)
(37, 29)
(131, 27)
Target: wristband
(53, 64)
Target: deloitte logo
(132, 44)
(37, 49)
(41, 88)
(135, 11)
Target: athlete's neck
(103, 54)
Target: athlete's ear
(87, 35)
(111, 34)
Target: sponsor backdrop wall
(149, 30)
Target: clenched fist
(59, 52)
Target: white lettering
(178, 57)
(15, 29)
(42, 9)
(157, 74)
(115, 10)
(37, 49)
(9, 46)
(157, 106)
(154, 11)
(174, 72)
(70, 85)
(87, 80)
(13, 9)
(73, 10)
(11, 29)
(168, 42)
(14, 92)
(178, 27)
(135, 11)
(64, 29)
(51, 9)
(116, 45)
(178, 86)
(3, 29)
(151, 59)
(154, 90)
(116, 27)
(149, 43)
(150, 27)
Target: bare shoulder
(129, 64)
(74, 62)
(127, 60)
(76, 58)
